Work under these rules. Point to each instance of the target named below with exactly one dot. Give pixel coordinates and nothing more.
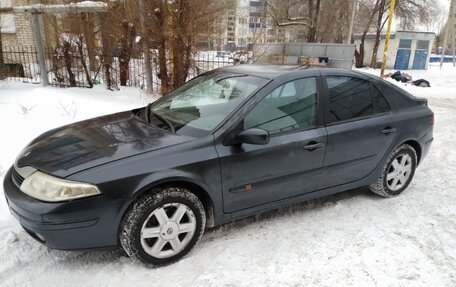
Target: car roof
(272, 71)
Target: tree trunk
(107, 43)
(377, 34)
(126, 48)
(162, 20)
(88, 30)
(181, 44)
(68, 59)
(359, 55)
(84, 65)
(314, 16)
(107, 58)
(145, 36)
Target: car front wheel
(162, 226)
(397, 172)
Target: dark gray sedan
(230, 143)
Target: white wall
(369, 47)
(7, 24)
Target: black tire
(140, 214)
(382, 186)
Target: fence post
(40, 49)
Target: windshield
(197, 107)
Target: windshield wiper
(161, 118)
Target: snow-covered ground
(349, 239)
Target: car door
(361, 129)
(287, 166)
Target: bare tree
(413, 12)
(176, 26)
(287, 13)
(381, 20)
(314, 16)
(126, 48)
(334, 21)
(369, 10)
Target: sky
(445, 7)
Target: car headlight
(52, 189)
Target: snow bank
(443, 81)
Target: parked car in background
(222, 54)
(230, 143)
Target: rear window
(398, 96)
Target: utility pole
(447, 32)
(388, 35)
(352, 21)
(40, 49)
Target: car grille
(17, 178)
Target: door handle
(388, 130)
(313, 146)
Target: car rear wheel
(397, 172)
(162, 226)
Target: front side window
(198, 106)
(290, 106)
(350, 98)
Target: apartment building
(246, 23)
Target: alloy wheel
(399, 172)
(168, 230)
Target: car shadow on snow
(302, 207)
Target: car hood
(75, 147)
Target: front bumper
(80, 224)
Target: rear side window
(349, 98)
(380, 103)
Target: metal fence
(21, 63)
(71, 70)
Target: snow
(443, 81)
(350, 239)
(83, 6)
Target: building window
(405, 44)
(422, 45)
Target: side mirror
(253, 136)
